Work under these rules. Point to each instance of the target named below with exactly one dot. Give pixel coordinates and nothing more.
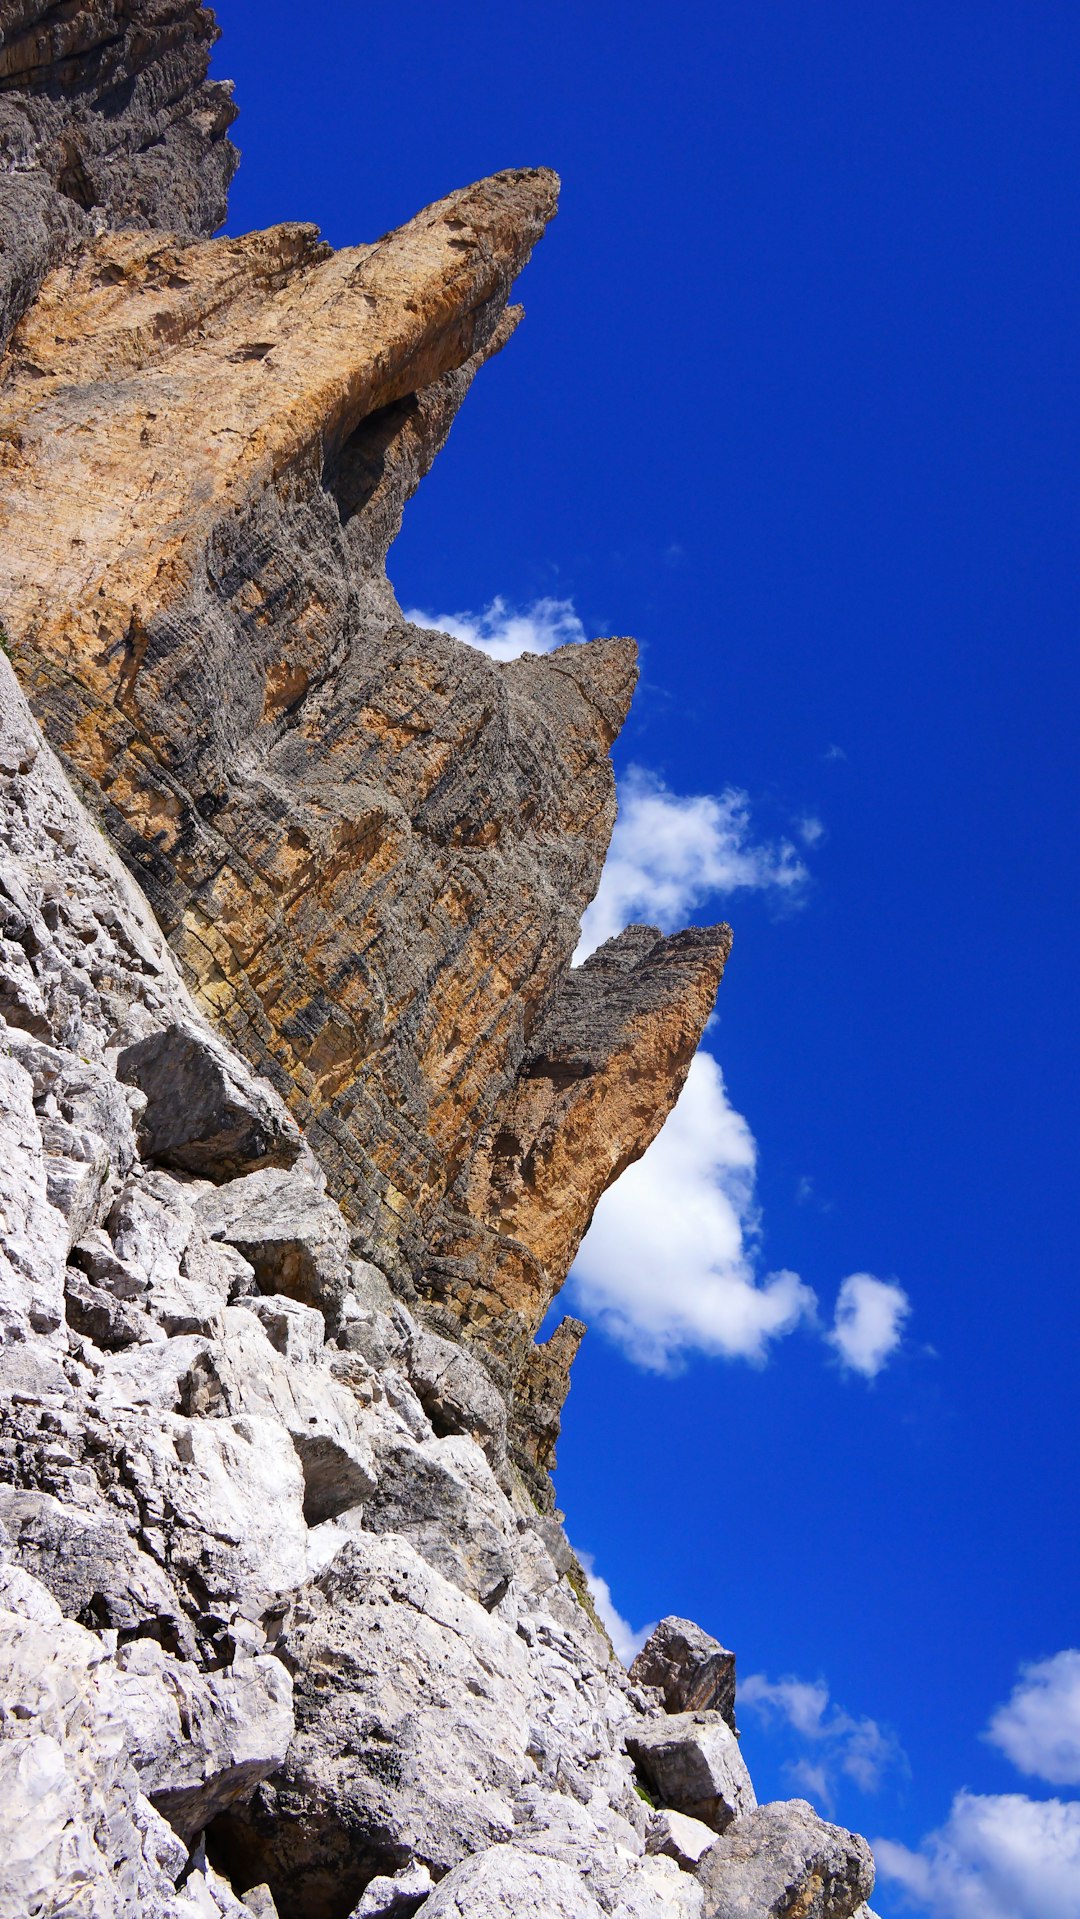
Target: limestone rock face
(106, 116)
(785, 1862)
(369, 845)
(287, 1624)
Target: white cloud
(837, 1742)
(997, 1857)
(665, 1266)
(1039, 1728)
(503, 631)
(870, 1314)
(810, 829)
(670, 852)
(626, 1641)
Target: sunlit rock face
(369, 845)
(107, 118)
(292, 1165)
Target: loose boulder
(785, 1862)
(694, 1672)
(204, 1113)
(693, 1763)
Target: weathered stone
(296, 1331)
(90, 1563)
(293, 1237)
(410, 1733)
(656, 1887)
(76, 1834)
(396, 1896)
(198, 1740)
(443, 1497)
(105, 113)
(504, 1880)
(202, 1115)
(457, 1393)
(693, 1762)
(371, 856)
(260, 1901)
(693, 1671)
(678, 1837)
(783, 1861)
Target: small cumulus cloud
(868, 1326)
(672, 852)
(626, 1642)
(833, 753)
(666, 1267)
(828, 1742)
(998, 1856)
(1039, 1727)
(810, 829)
(503, 631)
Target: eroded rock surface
(370, 846)
(287, 1626)
(106, 118)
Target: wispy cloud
(998, 1856)
(1039, 1727)
(828, 1743)
(503, 631)
(666, 1266)
(624, 1639)
(868, 1326)
(671, 852)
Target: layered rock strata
(107, 118)
(370, 846)
(281, 1629)
(287, 1627)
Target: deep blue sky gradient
(796, 403)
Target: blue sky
(796, 403)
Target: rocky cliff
(300, 1139)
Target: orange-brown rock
(370, 846)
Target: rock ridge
(304, 1105)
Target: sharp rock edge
(304, 1111)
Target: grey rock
(457, 1392)
(784, 1861)
(693, 1671)
(198, 1740)
(89, 1562)
(205, 1114)
(505, 1880)
(395, 1896)
(76, 1833)
(676, 1836)
(692, 1761)
(338, 1475)
(411, 1728)
(656, 1887)
(290, 1233)
(106, 1320)
(107, 117)
(260, 1901)
(443, 1498)
(296, 1331)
